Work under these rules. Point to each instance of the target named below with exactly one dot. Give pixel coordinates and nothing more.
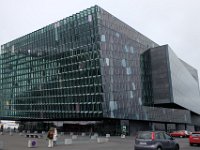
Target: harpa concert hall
(93, 70)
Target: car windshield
(195, 134)
(144, 135)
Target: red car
(181, 133)
(194, 138)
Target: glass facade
(160, 75)
(146, 79)
(87, 66)
(54, 72)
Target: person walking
(2, 129)
(55, 136)
(50, 135)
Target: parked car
(155, 140)
(181, 133)
(194, 138)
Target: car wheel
(191, 144)
(159, 148)
(177, 147)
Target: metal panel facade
(121, 47)
(185, 86)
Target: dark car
(155, 140)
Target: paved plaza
(18, 142)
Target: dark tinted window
(157, 135)
(167, 136)
(162, 136)
(144, 135)
(195, 134)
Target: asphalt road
(184, 144)
(17, 142)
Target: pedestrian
(91, 130)
(50, 137)
(1, 129)
(55, 136)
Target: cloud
(173, 22)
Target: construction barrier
(107, 135)
(102, 140)
(68, 141)
(32, 143)
(74, 137)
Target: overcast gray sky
(173, 22)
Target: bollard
(61, 133)
(102, 140)
(83, 134)
(20, 134)
(123, 136)
(40, 136)
(107, 135)
(71, 133)
(93, 137)
(68, 141)
(32, 143)
(11, 134)
(96, 135)
(74, 137)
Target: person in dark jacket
(2, 129)
(50, 135)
